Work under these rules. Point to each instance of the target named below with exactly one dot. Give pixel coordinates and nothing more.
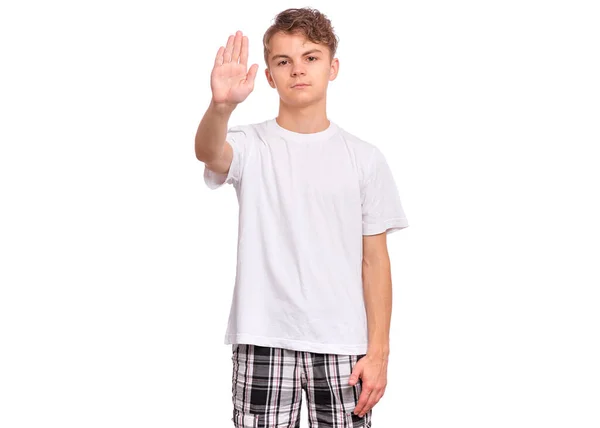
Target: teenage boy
(312, 299)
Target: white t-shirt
(305, 201)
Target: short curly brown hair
(311, 23)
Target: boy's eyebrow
(286, 56)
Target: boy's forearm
(212, 131)
(377, 289)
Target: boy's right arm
(210, 144)
(231, 83)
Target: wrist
(379, 352)
(222, 108)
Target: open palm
(230, 81)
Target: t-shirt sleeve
(238, 137)
(381, 207)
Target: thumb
(356, 372)
(251, 75)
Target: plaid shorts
(267, 387)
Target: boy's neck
(306, 120)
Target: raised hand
(230, 81)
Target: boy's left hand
(373, 372)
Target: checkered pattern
(267, 385)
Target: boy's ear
(334, 69)
(269, 78)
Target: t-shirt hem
(389, 226)
(213, 179)
(296, 345)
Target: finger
(244, 52)
(228, 49)
(237, 44)
(219, 57)
(252, 75)
(362, 401)
(355, 374)
(377, 398)
(373, 399)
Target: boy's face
(294, 59)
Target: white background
(117, 262)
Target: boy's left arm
(377, 291)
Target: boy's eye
(285, 60)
